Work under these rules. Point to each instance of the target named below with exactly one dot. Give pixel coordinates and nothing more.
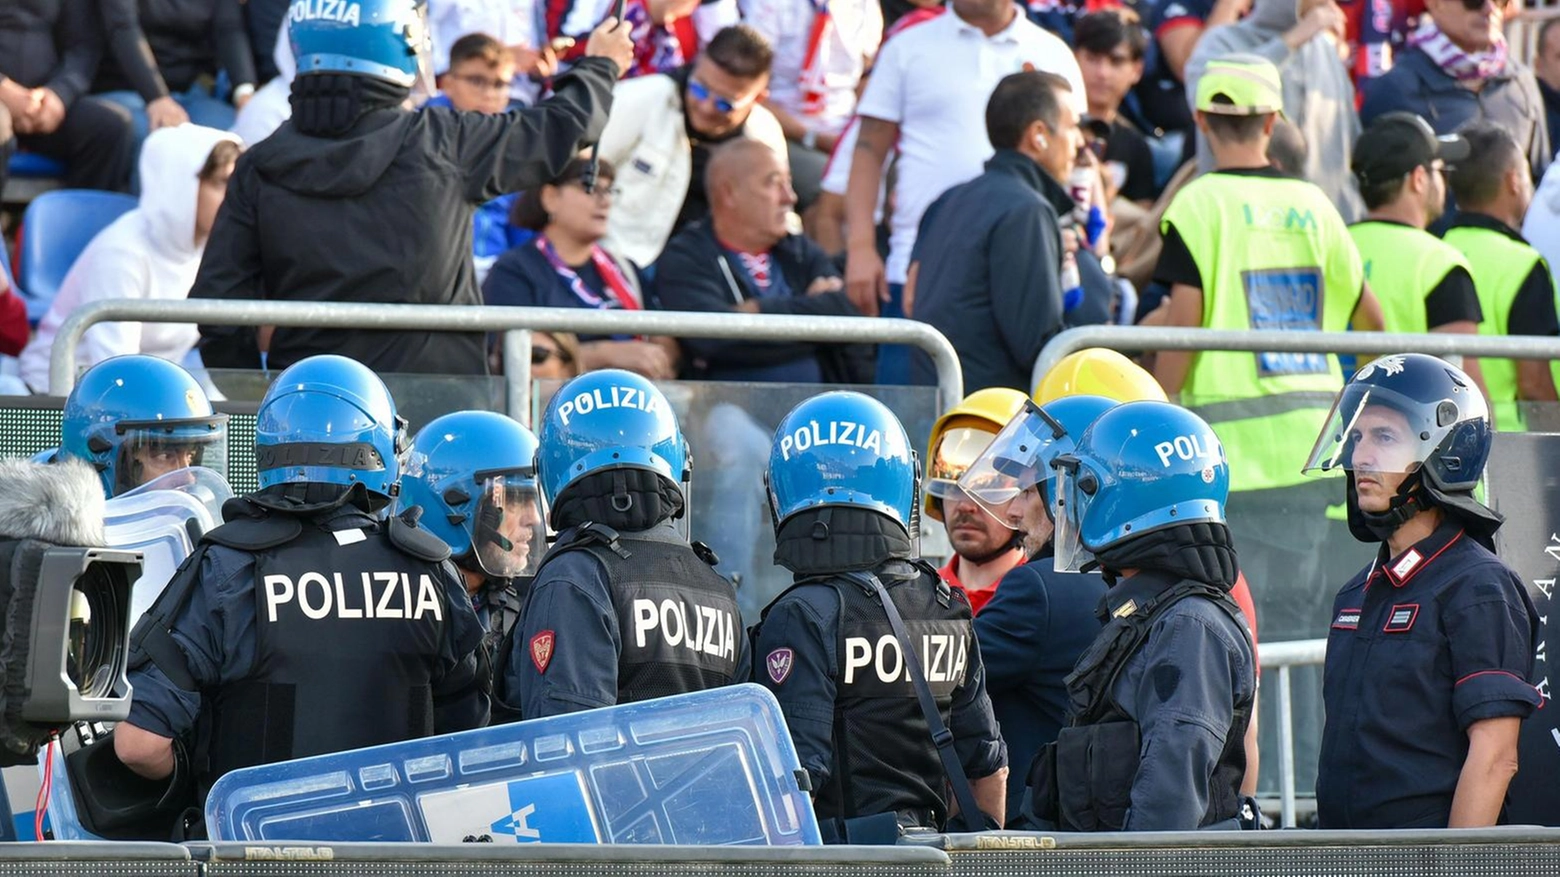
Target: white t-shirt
(933, 80)
(853, 36)
(1542, 225)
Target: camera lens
(94, 643)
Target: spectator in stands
(743, 259)
(1546, 69)
(926, 98)
(1458, 69)
(665, 127)
(555, 356)
(358, 199)
(14, 330)
(1109, 45)
(263, 113)
(158, 54)
(821, 51)
(151, 252)
(988, 256)
(49, 53)
(1302, 40)
(1516, 290)
(517, 25)
(477, 80)
(1424, 283)
(566, 266)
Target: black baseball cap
(1396, 143)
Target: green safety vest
(1403, 265)
(1499, 265)
(1273, 254)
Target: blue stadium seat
(55, 229)
(31, 165)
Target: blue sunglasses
(701, 92)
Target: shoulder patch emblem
(779, 664)
(542, 650)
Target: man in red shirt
(983, 549)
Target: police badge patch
(779, 664)
(542, 650)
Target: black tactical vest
(884, 758)
(677, 618)
(1083, 781)
(349, 627)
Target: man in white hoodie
(152, 252)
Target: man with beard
(1040, 620)
(985, 547)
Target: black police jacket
(1085, 781)
(383, 214)
(350, 635)
(880, 758)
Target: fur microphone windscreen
(61, 503)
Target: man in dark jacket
(743, 259)
(49, 51)
(357, 199)
(1457, 70)
(989, 252)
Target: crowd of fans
(795, 156)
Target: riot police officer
(306, 623)
(137, 417)
(1032, 634)
(1430, 649)
(1159, 702)
(472, 474)
(871, 655)
(622, 608)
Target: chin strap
(1408, 502)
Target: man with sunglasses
(1424, 283)
(664, 128)
(1458, 69)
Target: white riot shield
(162, 519)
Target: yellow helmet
(1099, 372)
(960, 435)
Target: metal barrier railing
(515, 323)
(1282, 657)
(1277, 341)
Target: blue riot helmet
(612, 420)
(381, 39)
(1405, 414)
(329, 420)
(1139, 468)
(472, 473)
(842, 449)
(137, 417)
(1021, 454)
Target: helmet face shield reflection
(1067, 511)
(149, 451)
(1013, 462)
(508, 536)
(1373, 429)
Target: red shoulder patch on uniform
(542, 650)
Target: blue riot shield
(709, 768)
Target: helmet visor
(1375, 429)
(508, 536)
(955, 452)
(1066, 510)
(151, 449)
(1015, 460)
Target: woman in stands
(565, 266)
(151, 252)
